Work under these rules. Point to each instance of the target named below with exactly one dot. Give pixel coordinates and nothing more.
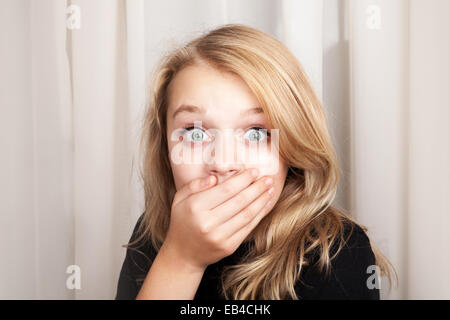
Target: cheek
(276, 169)
(268, 164)
(183, 171)
(183, 174)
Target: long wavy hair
(303, 221)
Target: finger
(243, 233)
(242, 223)
(240, 201)
(213, 197)
(193, 187)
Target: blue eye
(195, 134)
(257, 134)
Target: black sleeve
(349, 273)
(138, 260)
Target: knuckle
(205, 229)
(247, 215)
(191, 207)
(191, 187)
(226, 248)
(214, 241)
(217, 241)
(263, 186)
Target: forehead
(219, 95)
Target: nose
(225, 161)
(224, 172)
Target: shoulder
(137, 226)
(350, 269)
(355, 236)
(143, 247)
(356, 253)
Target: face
(224, 122)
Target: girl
(215, 229)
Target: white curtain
(400, 81)
(73, 86)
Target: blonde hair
(303, 220)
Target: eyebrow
(195, 109)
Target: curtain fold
(399, 53)
(102, 161)
(302, 24)
(379, 110)
(36, 167)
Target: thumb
(194, 186)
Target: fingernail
(270, 191)
(269, 181)
(255, 173)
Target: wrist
(175, 258)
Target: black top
(348, 279)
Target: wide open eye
(195, 134)
(256, 134)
